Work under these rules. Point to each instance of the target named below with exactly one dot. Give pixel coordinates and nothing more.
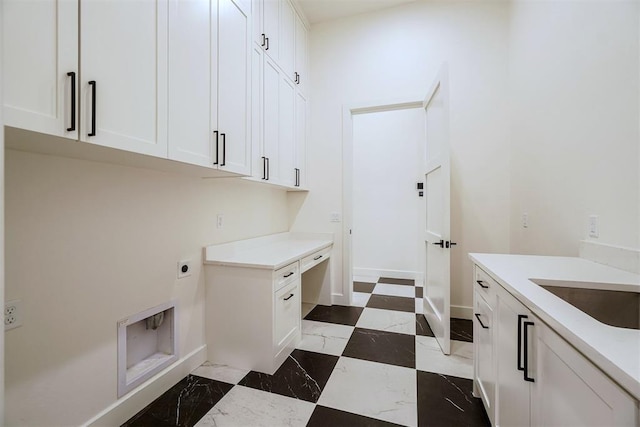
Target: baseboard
(396, 274)
(133, 402)
(622, 258)
(339, 299)
(461, 312)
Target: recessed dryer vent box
(146, 345)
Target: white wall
(387, 159)
(2, 263)
(396, 53)
(88, 244)
(575, 131)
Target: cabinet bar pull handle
(264, 42)
(480, 320)
(526, 353)
(92, 83)
(289, 274)
(264, 167)
(73, 101)
(224, 149)
(520, 317)
(215, 132)
(481, 283)
(267, 48)
(268, 166)
(317, 258)
(289, 297)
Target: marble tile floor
(373, 364)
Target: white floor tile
(222, 373)
(387, 320)
(360, 299)
(244, 406)
(326, 338)
(419, 305)
(366, 279)
(430, 358)
(375, 390)
(395, 290)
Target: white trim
(126, 407)
(461, 312)
(396, 274)
(348, 111)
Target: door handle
(449, 244)
(264, 167)
(268, 166)
(264, 40)
(73, 101)
(526, 353)
(92, 83)
(267, 48)
(480, 320)
(215, 132)
(520, 317)
(224, 149)
(440, 243)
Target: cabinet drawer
(285, 275)
(314, 259)
(286, 314)
(485, 285)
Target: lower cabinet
(527, 375)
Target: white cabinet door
(123, 60)
(513, 392)
(483, 332)
(192, 70)
(287, 38)
(301, 139)
(40, 49)
(287, 148)
(571, 391)
(301, 77)
(256, 113)
(234, 83)
(256, 21)
(271, 27)
(286, 314)
(270, 121)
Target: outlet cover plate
(184, 268)
(12, 314)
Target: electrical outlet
(219, 221)
(334, 217)
(184, 269)
(594, 230)
(12, 314)
(525, 220)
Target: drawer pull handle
(317, 258)
(92, 83)
(482, 285)
(480, 320)
(289, 274)
(520, 317)
(73, 101)
(289, 297)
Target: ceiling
(326, 10)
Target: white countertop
(269, 252)
(616, 351)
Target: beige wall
(88, 244)
(396, 53)
(574, 127)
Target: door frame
(348, 111)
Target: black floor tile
(335, 314)
(389, 280)
(461, 330)
(323, 417)
(392, 303)
(381, 346)
(418, 292)
(363, 287)
(302, 376)
(422, 327)
(182, 405)
(448, 401)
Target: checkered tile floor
(375, 363)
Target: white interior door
(436, 232)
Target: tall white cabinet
(40, 66)
(123, 63)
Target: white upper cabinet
(123, 61)
(270, 36)
(301, 140)
(234, 83)
(287, 146)
(40, 58)
(192, 114)
(270, 170)
(287, 43)
(301, 76)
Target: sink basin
(612, 307)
